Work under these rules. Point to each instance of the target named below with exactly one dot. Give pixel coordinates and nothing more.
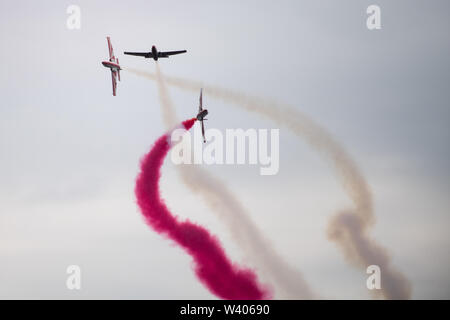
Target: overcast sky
(69, 150)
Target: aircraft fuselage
(155, 53)
(202, 114)
(112, 65)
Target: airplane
(112, 64)
(155, 54)
(202, 113)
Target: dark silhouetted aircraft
(155, 54)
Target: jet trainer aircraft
(113, 64)
(202, 113)
(155, 54)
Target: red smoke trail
(211, 265)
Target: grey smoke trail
(289, 283)
(350, 228)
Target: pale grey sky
(69, 151)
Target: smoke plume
(211, 265)
(349, 229)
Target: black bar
(225, 309)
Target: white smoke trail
(289, 283)
(349, 229)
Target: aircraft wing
(111, 51)
(140, 54)
(200, 107)
(165, 54)
(114, 82)
(203, 131)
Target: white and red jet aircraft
(112, 64)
